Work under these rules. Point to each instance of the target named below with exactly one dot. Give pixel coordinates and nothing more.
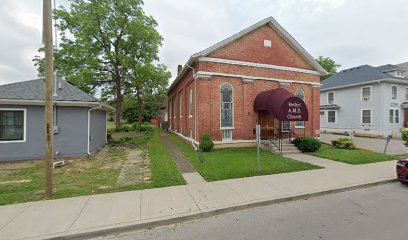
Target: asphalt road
(379, 212)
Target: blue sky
(352, 32)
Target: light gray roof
(359, 75)
(34, 90)
(403, 65)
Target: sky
(352, 32)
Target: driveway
(395, 146)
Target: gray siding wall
(351, 105)
(71, 139)
(97, 129)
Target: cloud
(351, 32)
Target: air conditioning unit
(366, 98)
(56, 130)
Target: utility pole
(48, 91)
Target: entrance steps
(272, 146)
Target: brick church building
(259, 74)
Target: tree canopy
(108, 45)
(329, 65)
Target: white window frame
(226, 139)
(335, 116)
(24, 110)
(406, 94)
(371, 116)
(233, 105)
(190, 105)
(392, 92)
(362, 93)
(394, 110)
(334, 97)
(181, 105)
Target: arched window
(300, 94)
(227, 106)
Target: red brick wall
(249, 48)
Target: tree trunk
(118, 114)
(140, 107)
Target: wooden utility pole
(48, 91)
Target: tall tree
(100, 39)
(148, 85)
(329, 65)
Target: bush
(404, 136)
(206, 144)
(343, 143)
(307, 144)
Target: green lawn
(356, 156)
(88, 176)
(228, 163)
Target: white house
(366, 99)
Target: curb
(214, 212)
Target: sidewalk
(98, 214)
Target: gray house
(79, 121)
(366, 99)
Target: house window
(331, 116)
(174, 108)
(321, 113)
(300, 94)
(394, 92)
(394, 115)
(190, 111)
(226, 135)
(285, 126)
(12, 125)
(227, 107)
(181, 105)
(406, 94)
(330, 97)
(366, 116)
(366, 93)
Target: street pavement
(378, 212)
(115, 212)
(395, 146)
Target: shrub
(206, 144)
(343, 143)
(307, 144)
(296, 142)
(404, 136)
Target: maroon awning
(282, 104)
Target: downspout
(89, 127)
(195, 103)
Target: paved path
(152, 207)
(374, 213)
(187, 170)
(136, 169)
(395, 147)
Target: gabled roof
(267, 21)
(403, 65)
(360, 75)
(34, 90)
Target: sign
(154, 121)
(294, 109)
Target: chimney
(179, 67)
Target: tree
(329, 65)
(101, 41)
(148, 86)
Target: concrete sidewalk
(92, 215)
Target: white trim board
(24, 110)
(258, 65)
(255, 78)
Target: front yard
(356, 156)
(24, 181)
(227, 163)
